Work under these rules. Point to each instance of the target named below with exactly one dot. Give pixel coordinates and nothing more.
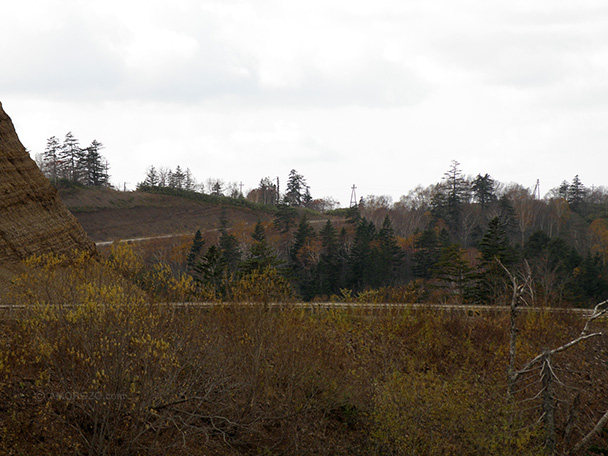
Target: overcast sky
(382, 94)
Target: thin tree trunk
(548, 404)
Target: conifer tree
(330, 266)
(484, 190)
(230, 253)
(353, 215)
(427, 250)
(576, 193)
(303, 234)
(390, 255)
(454, 273)
(563, 189)
(301, 261)
(284, 218)
(536, 244)
(260, 255)
(195, 250)
(189, 180)
(297, 192)
(209, 269)
(494, 248)
(152, 178)
(362, 268)
(495, 245)
(93, 169)
(51, 159)
(217, 188)
(178, 178)
(71, 156)
(449, 198)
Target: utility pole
(353, 196)
(537, 190)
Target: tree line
(69, 162)
(448, 243)
(268, 192)
(166, 177)
(472, 222)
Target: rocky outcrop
(33, 220)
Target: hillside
(34, 221)
(108, 215)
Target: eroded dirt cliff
(33, 220)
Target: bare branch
(596, 430)
(534, 361)
(597, 313)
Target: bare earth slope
(108, 215)
(33, 219)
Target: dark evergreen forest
(449, 242)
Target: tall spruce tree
(454, 273)
(93, 168)
(195, 250)
(152, 178)
(484, 190)
(285, 218)
(71, 156)
(302, 259)
(389, 255)
(361, 265)
(51, 158)
(230, 252)
(449, 198)
(209, 270)
(576, 194)
(331, 264)
(297, 192)
(427, 250)
(494, 248)
(178, 178)
(260, 255)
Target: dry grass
(114, 374)
(107, 215)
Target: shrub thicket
(97, 365)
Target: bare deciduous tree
(522, 291)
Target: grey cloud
(224, 73)
(523, 50)
(69, 61)
(86, 59)
(527, 50)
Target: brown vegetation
(108, 215)
(114, 372)
(107, 359)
